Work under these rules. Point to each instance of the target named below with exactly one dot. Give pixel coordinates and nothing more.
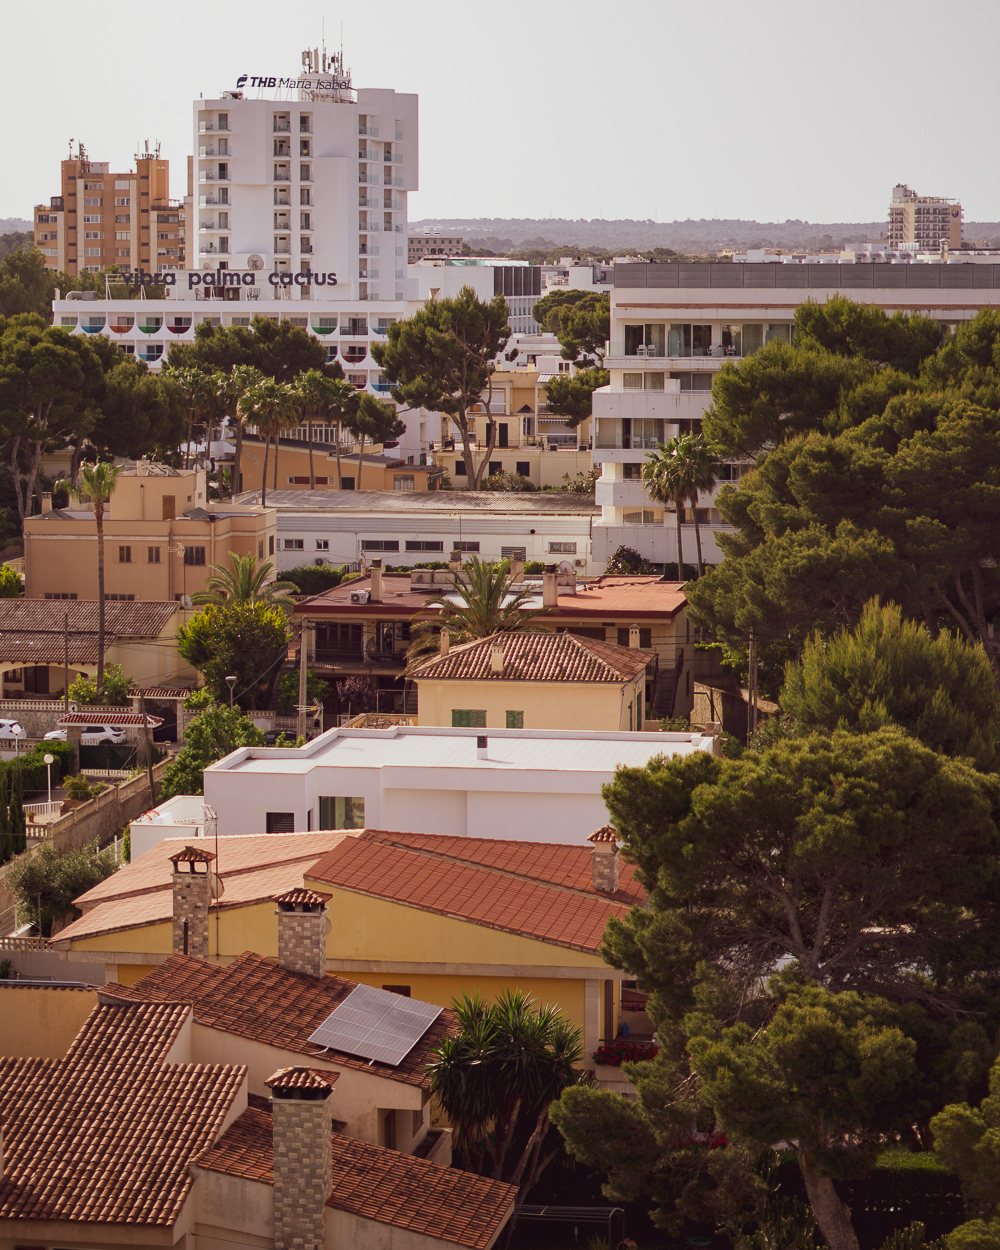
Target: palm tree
(702, 465)
(199, 393)
(230, 388)
(97, 483)
(375, 420)
(481, 604)
(666, 477)
(245, 582)
(313, 390)
(266, 404)
(496, 1079)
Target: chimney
(46, 501)
(482, 743)
(376, 581)
(633, 637)
(192, 882)
(604, 860)
(444, 642)
(550, 587)
(496, 657)
(516, 569)
(302, 1112)
(302, 930)
(455, 561)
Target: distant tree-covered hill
(14, 225)
(508, 234)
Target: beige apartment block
(432, 244)
(923, 222)
(102, 219)
(161, 535)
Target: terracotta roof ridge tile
(387, 839)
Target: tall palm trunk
(235, 485)
(190, 435)
(277, 444)
(678, 509)
(360, 454)
(312, 472)
(263, 477)
(99, 521)
(697, 534)
(340, 485)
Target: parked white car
(11, 730)
(92, 735)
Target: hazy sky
(563, 108)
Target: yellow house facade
(161, 535)
(534, 680)
(427, 915)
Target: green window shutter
(515, 720)
(477, 719)
(460, 719)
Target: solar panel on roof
(376, 1024)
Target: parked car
(92, 735)
(11, 730)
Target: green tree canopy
(442, 358)
(53, 877)
(373, 421)
(889, 670)
(245, 640)
(212, 734)
(573, 396)
(851, 329)
(278, 349)
(245, 581)
(584, 329)
(967, 1140)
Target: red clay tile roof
(118, 719)
(252, 868)
(31, 630)
(107, 1134)
(306, 898)
(377, 1184)
(254, 997)
(536, 656)
(192, 855)
(536, 890)
(302, 1078)
(606, 833)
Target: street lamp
(49, 761)
(231, 682)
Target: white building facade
(674, 326)
(529, 786)
(307, 179)
(404, 528)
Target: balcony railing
(282, 249)
(372, 179)
(368, 201)
(337, 658)
(283, 201)
(368, 130)
(282, 128)
(393, 156)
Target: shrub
(79, 787)
(115, 692)
(10, 583)
(628, 560)
(508, 482)
(620, 1052)
(534, 567)
(313, 579)
(53, 878)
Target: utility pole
(303, 678)
(65, 663)
(149, 749)
(752, 686)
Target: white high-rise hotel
(306, 179)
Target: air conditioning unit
(319, 562)
(580, 564)
(361, 596)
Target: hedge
(34, 773)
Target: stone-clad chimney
(633, 637)
(193, 882)
(302, 930)
(444, 642)
(376, 585)
(303, 1155)
(604, 860)
(496, 657)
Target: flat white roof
(407, 746)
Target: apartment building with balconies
(674, 326)
(432, 243)
(923, 221)
(102, 219)
(307, 177)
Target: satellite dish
(216, 885)
(565, 566)
(186, 601)
(255, 262)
